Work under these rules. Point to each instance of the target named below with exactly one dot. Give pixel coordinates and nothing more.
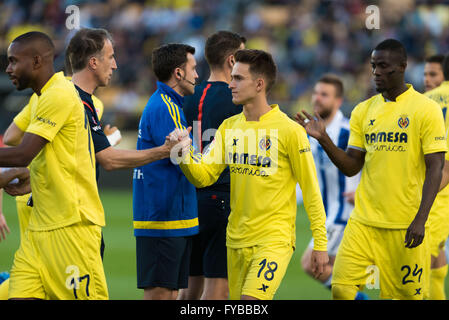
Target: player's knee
(215, 289)
(159, 293)
(343, 291)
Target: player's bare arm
(7, 175)
(4, 229)
(113, 159)
(23, 154)
(434, 165)
(13, 135)
(20, 188)
(445, 176)
(350, 162)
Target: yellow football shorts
(23, 213)
(438, 227)
(378, 259)
(64, 264)
(257, 271)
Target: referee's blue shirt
(164, 201)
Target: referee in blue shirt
(164, 201)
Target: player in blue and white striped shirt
(337, 190)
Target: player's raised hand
(319, 261)
(314, 126)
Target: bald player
(60, 256)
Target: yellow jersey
(440, 208)
(395, 136)
(440, 95)
(63, 174)
(99, 106)
(266, 159)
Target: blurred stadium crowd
(307, 38)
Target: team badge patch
(265, 143)
(403, 121)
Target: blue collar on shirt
(178, 99)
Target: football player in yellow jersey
(267, 154)
(439, 214)
(87, 77)
(59, 258)
(397, 138)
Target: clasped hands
(178, 143)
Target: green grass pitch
(120, 258)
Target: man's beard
(325, 113)
(380, 89)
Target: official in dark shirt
(99, 139)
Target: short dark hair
(168, 57)
(334, 80)
(86, 43)
(221, 45)
(35, 36)
(260, 63)
(436, 58)
(395, 46)
(446, 67)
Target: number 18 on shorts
(257, 271)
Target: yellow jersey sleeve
(446, 125)
(203, 170)
(432, 129)
(304, 171)
(440, 95)
(22, 119)
(356, 136)
(51, 115)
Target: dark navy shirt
(99, 139)
(212, 103)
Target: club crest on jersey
(265, 143)
(403, 121)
